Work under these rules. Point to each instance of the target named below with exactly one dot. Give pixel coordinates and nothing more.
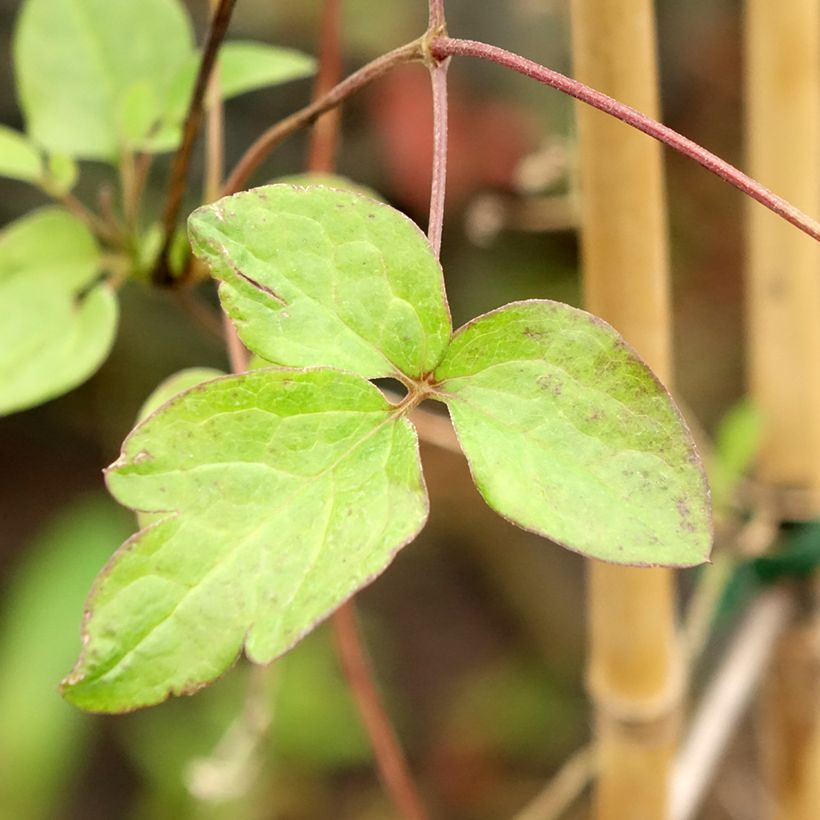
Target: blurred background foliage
(477, 629)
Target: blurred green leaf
(515, 708)
(57, 321)
(19, 159)
(77, 59)
(138, 110)
(736, 444)
(62, 174)
(314, 720)
(42, 738)
(243, 67)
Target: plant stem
(447, 46)
(392, 764)
(635, 667)
(98, 226)
(562, 791)
(276, 134)
(179, 167)
(435, 224)
(324, 138)
(436, 15)
(214, 133)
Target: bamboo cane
(783, 133)
(635, 674)
(783, 128)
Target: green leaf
(316, 276)
(43, 740)
(164, 392)
(284, 492)
(243, 67)
(19, 159)
(737, 442)
(176, 384)
(569, 434)
(329, 180)
(62, 174)
(138, 110)
(57, 322)
(77, 59)
(248, 66)
(315, 722)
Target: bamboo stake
(635, 675)
(783, 127)
(783, 133)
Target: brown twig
(214, 134)
(276, 134)
(179, 168)
(392, 764)
(443, 47)
(99, 227)
(324, 138)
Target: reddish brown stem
(442, 47)
(325, 136)
(436, 15)
(435, 224)
(392, 764)
(193, 121)
(276, 134)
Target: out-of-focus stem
(392, 764)
(635, 668)
(179, 167)
(324, 138)
(260, 149)
(214, 133)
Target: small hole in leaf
(393, 389)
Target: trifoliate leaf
(77, 59)
(19, 159)
(285, 491)
(317, 276)
(57, 322)
(569, 434)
